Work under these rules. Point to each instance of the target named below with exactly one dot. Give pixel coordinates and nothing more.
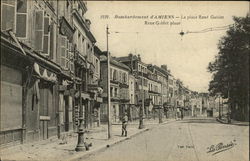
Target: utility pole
(141, 126)
(161, 104)
(108, 84)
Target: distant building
(119, 89)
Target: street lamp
(80, 144)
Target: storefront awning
(44, 73)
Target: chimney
(139, 57)
(165, 67)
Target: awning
(45, 74)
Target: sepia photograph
(124, 80)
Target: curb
(86, 154)
(225, 122)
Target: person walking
(177, 113)
(124, 124)
(182, 113)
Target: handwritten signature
(220, 147)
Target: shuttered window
(63, 51)
(52, 35)
(39, 25)
(67, 54)
(71, 57)
(46, 36)
(7, 15)
(21, 19)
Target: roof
(128, 59)
(159, 69)
(113, 61)
(119, 64)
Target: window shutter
(67, 54)
(39, 30)
(21, 19)
(63, 51)
(46, 36)
(58, 53)
(51, 28)
(71, 57)
(7, 15)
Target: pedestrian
(182, 113)
(177, 113)
(124, 124)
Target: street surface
(187, 140)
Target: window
(46, 36)
(116, 92)
(111, 74)
(120, 76)
(51, 29)
(111, 91)
(79, 42)
(65, 52)
(115, 75)
(83, 46)
(124, 78)
(21, 19)
(14, 16)
(8, 15)
(71, 57)
(96, 65)
(145, 82)
(39, 25)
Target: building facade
(119, 89)
(45, 70)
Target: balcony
(123, 85)
(153, 92)
(115, 99)
(114, 81)
(95, 88)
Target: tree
(231, 68)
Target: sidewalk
(64, 149)
(233, 122)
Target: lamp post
(80, 144)
(108, 85)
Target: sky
(186, 56)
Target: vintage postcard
(124, 80)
